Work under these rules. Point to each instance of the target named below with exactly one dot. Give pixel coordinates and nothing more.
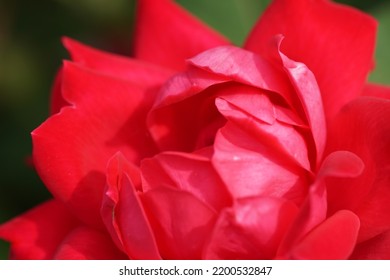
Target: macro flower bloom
(198, 149)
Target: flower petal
(376, 248)
(334, 239)
(362, 127)
(167, 35)
(71, 149)
(248, 166)
(185, 171)
(36, 234)
(85, 243)
(180, 221)
(142, 74)
(336, 42)
(375, 90)
(123, 212)
(251, 229)
(314, 208)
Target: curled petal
(335, 238)
(123, 213)
(336, 42)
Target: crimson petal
(180, 221)
(362, 127)
(251, 229)
(123, 212)
(85, 243)
(71, 149)
(167, 35)
(36, 234)
(187, 172)
(336, 42)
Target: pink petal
(187, 172)
(310, 97)
(123, 213)
(180, 221)
(363, 128)
(334, 239)
(85, 243)
(253, 111)
(245, 67)
(71, 149)
(142, 74)
(251, 229)
(36, 234)
(376, 248)
(167, 35)
(336, 42)
(249, 167)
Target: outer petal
(142, 74)
(167, 35)
(251, 229)
(123, 212)
(377, 248)
(335, 238)
(363, 128)
(84, 243)
(36, 234)
(336, 42)
(187, 172)
(180, 221)
(375, 90)
(72, 148)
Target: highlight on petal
(251, 229)
(336, 43)
(180, 221)
(334, 239)
(123, 213)
(71, 149)
(362, 127)
(167, 35)
(249, 167)
(228, 61)
(309, 94)
(36, 234)
(188, 172)
(85, 243)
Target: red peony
(197, 149)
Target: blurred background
(31, 52)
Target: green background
(30, 53)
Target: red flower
(199, 149)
